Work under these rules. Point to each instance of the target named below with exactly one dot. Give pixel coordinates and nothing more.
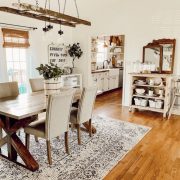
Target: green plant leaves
(50, 71)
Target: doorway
(107, 63)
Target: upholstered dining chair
(36, 84)
(175, 93)
(56, 122)
(8, 89)
(84, 111)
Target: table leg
(15, 145)
(86, 125)
(12, 154)
(24, 153)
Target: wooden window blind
(15, 38)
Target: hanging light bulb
(45, 29)
(60, 32)
(50, 26)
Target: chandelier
(46, 14)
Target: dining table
(17, 113)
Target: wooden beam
(35, 16)
(48, 12)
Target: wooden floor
(157, 156)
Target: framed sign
(57, 54)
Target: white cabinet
(98, 81)
(113, 79)
(106, 81)
(113, 82)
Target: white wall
(140, 21)
(39, 41)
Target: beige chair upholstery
(84, 112)
(56, 122)
(37, 84)
(8, 89)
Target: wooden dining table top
(27, 105)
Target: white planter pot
(52, 86)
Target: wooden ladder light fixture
(44, 14)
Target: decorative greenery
(75, 51)
(50, 71)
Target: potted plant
(52, 80)
(75, 52)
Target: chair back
(86, 104)
(9, 89)
(37, 84)
(176, 84)
(58, 113)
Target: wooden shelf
(116, 53)
(148, 97)
(166, 87)
(149, 75)
(147, 85)
(148, 108)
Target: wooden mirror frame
(167, 41)
(152, 45)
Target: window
(16, 67)
(16, 42)
(102, 52)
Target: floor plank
(157, 156)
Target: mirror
(168, 54)
(152, 56)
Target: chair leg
(36, 138)
(66, 142)
(49, 152)
(90, 127)
(79, 134)
(170, 111)
(1, 135)
(27, 140)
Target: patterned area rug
(92, 160)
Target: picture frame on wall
(57, 54)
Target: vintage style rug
(92, 160)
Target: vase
(52, 86)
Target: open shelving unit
(166, 80)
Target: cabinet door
(111, 82)
(116, 83)
(94, 79)
(106, 82)
(100, 82)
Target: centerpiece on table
(75, 52)
(52, 77)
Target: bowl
(140, 91)
(140, 82)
